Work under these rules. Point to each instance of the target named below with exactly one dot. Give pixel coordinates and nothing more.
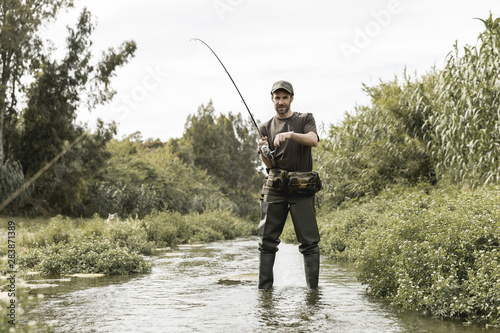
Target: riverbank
(63, 245)
(432, 250)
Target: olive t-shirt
(290, 155)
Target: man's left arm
(307, 139)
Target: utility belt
(285, 182)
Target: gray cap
(282, 85)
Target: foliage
(170, 228)
(443, 126)
(434, 251)
(91, 254)
(63, 245)
(464, 129)
(21, 48)
(376, 147)
(144, 176)
(48, 120)
(225, 147)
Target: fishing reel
(266, 152)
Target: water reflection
(289, 308)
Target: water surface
(213, 288)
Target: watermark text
(11, 273)
(364, 36)
(224, 6)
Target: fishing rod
(265, 149)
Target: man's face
(282, 100)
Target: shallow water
(213, 288)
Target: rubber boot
(266, 277)
(311, 266)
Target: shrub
(88, 255)
(131, 235)
(165, 228)
(65, 246)
(223, 223)
(436, 251)
(58, 229)
(171, 228)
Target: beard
(282, 109)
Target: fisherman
(290, 185)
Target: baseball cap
(282, 85)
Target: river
(213, 288)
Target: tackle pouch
(303, 182)
(276, 180)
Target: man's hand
(282, 137)
(262, 142)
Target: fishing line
(242, 99)
(265, 149)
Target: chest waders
(274, 211)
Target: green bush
(58, 229)
(432, 251)
(131, 235)
(141, 177)
(165, 228)
(223, 224)
(88, 255)
(171, 228)
(65, 246)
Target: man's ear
(291, 98)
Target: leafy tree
(19, 48)
(52, 101)
(224, 146)
(144, 176)
(54, 97)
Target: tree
(53, 99)
(19, 48)
(224, 146)
(55, 95)
(380, 145)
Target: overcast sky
(326, 49)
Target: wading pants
(274, 211)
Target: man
(291, 135)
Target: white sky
(326, 49)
